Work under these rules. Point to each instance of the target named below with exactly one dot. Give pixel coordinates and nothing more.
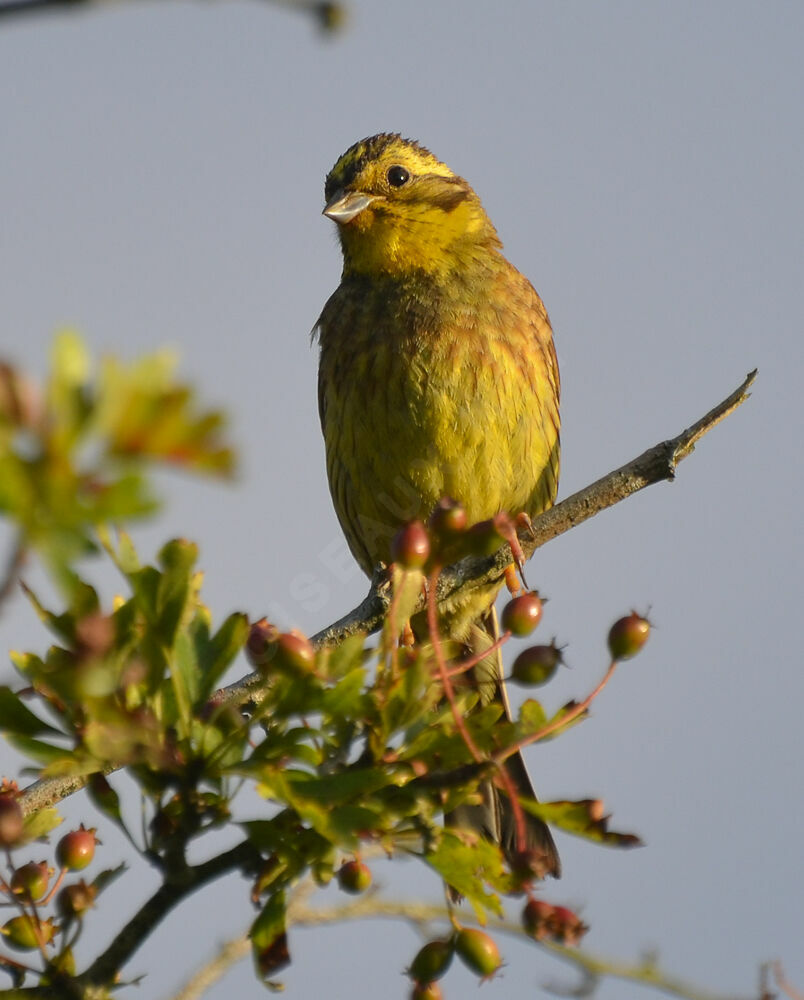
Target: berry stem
(55, 887)
(551, 727)
(449, 693)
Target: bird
(437, 378)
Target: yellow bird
(438, 378)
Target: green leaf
(347, 698)
(17, 718)
(72, 764)
(184, 678)
(221, 741)
(125, 624)
(37, 750)
(292, 745)
(269, 939)
(215, 655)
(563, 711)
(69, 359)
(177, 559)
(467, 862)
(68, 404)
(61, 625)
(345, 657)
(338, 788)
(114, 736)
(265, 834)
(280, 744)
(106, 799)
(29, 664)
(105, 878)
(145, 584)
(532, 715)
(583, 818)
(119, 498)
(143, 412)
(124, 556)
(316, 804)
(39, 824)
(348, 824)
(17, 488)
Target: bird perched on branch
(437, 378)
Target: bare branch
(593, 968)
(329, 16)
(106, 966)
(204, 978)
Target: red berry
(411, 546)
(543, 920)
(354, 877)
(12, 821)
(536, 918)
(30, 881)
(448, 518)
(431, 961)
(26, 932)
(478, 951)
(261, 642)
(75, 900)
(597, 809)
(426, 991)
(536, 664)
(567, 927)
(294, 650)
(75, 850)
(628, 635)
(521, 615)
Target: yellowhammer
(438, 378)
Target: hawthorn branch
(576, 712)
(593, 968)
(106, 966)
(655, 465)
(205, 977)
(329, 16)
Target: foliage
(356, 748)
(74, 451)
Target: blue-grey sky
(162, 171)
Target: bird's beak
(343, 208)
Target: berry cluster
(33, 885)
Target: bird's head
(401, 210)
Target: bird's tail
(494, 815)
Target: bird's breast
(419, 402)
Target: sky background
(163, 170)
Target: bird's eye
(397, 176)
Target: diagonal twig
(655, 465)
